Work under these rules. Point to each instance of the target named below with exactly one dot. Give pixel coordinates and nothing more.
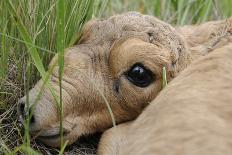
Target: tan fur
(206, 37)
(191, 116)
(94, 72)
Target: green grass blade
(205, 12)
(26, 37)
(29, 44)
(60, 45)
(164, 77)
(62, 148)
(4, 56)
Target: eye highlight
(140, 75)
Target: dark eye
(139, 75)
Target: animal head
(118, 61)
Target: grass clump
(32, 31)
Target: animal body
(117, 61)
(192, 115)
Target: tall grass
(36, 31)
(33, 31)
(60, 44)
(177, 12)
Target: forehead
(99, 36)
(107, 31)
(113, 28)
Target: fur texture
(94, 72)
(192, 115)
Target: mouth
(51, 134)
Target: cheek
(45, 113)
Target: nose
(24, 112)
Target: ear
(86, 31)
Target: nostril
(32, 120)
(24, 113)
(21, 107)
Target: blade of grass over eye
(60, 45)
(164, 78)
